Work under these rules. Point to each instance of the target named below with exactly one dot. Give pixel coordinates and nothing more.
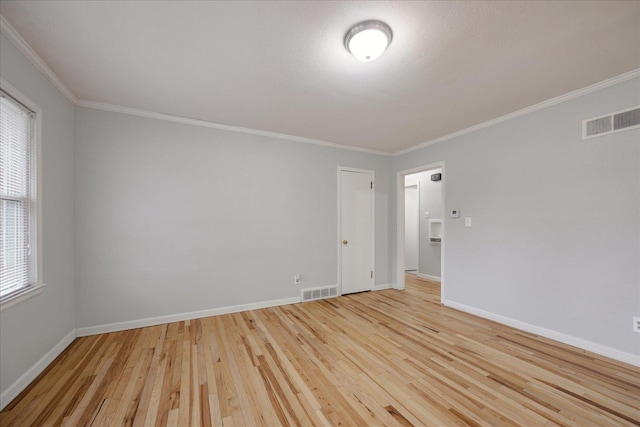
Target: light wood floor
(379, 358)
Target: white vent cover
(611, 123)
(311, 294)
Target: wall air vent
(611, 123)
(311, 294)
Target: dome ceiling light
(367, 40)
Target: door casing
(400, 283)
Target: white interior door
(411, 228)
(356, 231)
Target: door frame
(373, 222)
(400, 283)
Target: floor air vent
(611, 123)
(311, 294)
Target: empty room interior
(356, 213)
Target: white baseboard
(383, 286)
(429, 277)
(21, 383)
(632, 359)
(152, 321)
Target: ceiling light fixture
(367, 40)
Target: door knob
(344, 242)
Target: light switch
(467, 221)
(426, 215)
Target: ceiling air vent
(611, 123)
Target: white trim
(25, 294)
(18, 95)
(220, 126)
(400, 271)
(20, 43)
(203, 123)
(429, 277)
(372, 173)
(400, 283)
(29, 53)
(544, 104)
(153, 321)
(349, 169)
(383, 286)
(37, 216)
(632, 359)
(419, 219)
(16, 39)
(25, 379)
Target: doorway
(411, 228)
(356, 230)
(429, 184)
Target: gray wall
(174, 218)
(556, 220)
(31, 329)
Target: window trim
(37, 286)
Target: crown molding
(544, 104)
(31, 55)
(219, 126)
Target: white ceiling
(282, 66)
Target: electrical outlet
(636, 324)
(296, 279)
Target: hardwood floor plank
(386, 358)
(58, 386)
(185, 376)
(157, 363)
(74, 417)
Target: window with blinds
(17, 185)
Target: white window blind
(16, 192)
